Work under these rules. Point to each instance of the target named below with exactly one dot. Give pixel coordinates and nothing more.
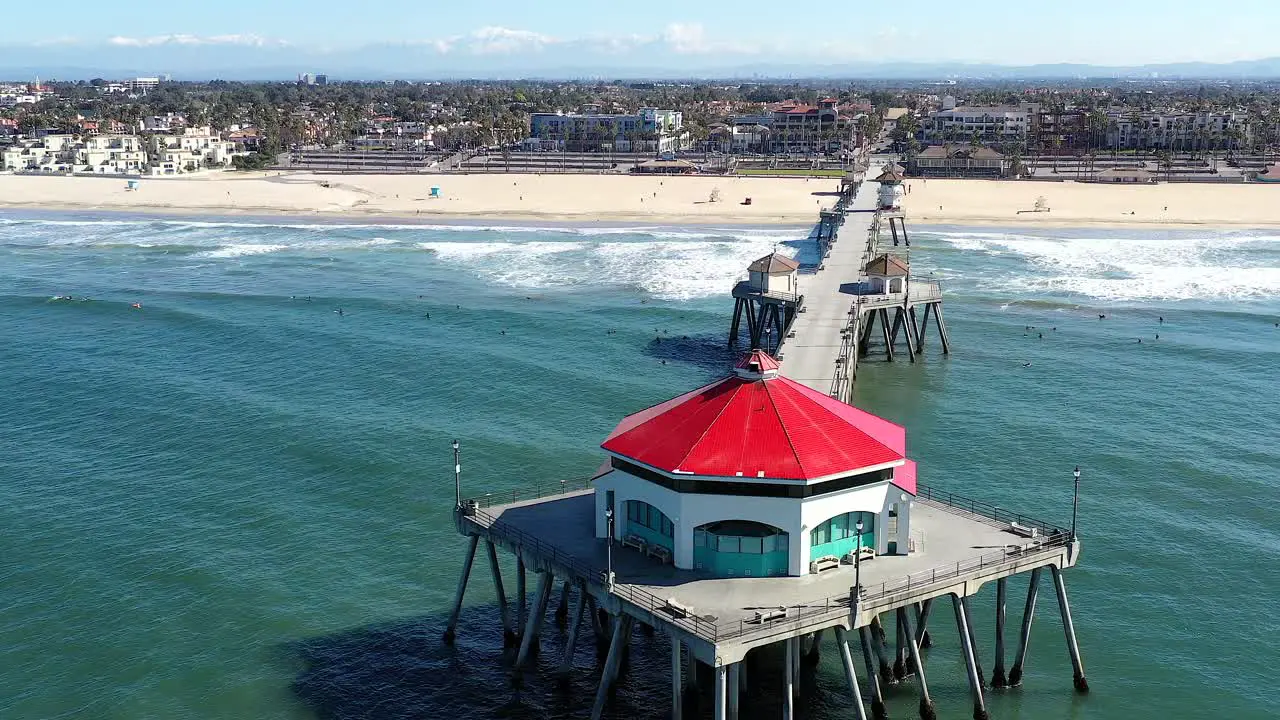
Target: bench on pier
(678, 610)
(634, 541)
(826, 562)
(661, 553)
(866, 553)
(1023, 530)
(764, 616)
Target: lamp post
(1075, 502)
(457, 477)
(857, 562)
(608, 516)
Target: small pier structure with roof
(755, 522)
(768, 299)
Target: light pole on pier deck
(857, 562)
(457, 477)
(608, 516)
(1075, 502)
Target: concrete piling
(562, 608)
(521, 589)
(621, 626)
(973, 639)
(927, 711)
(733, 689)
(677, 680)
(451, 629)
(529, 639)
(970, 656)
(878, 644)
(998, 679)
(922, 623)
(571, 643)
(878, 709)
(788, 687)
(508, 632)
(721, 692)
(1024, 638)
(842, 647)
(1069, 628)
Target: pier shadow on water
(403, 669)
(707, 352)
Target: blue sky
(1089, 31)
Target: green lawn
(791, 171)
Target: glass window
(700, 538)
(821, 534)
(782, 543)
(770, 544)
(840, 527)
(730, 543)
(752, 545)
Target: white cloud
(185, 39)
(686, 38)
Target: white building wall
(688, 511)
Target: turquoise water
(234, 502)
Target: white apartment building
(1175, 130)
(162, 123)
(198, 148)
(112, 155)
(51, 153)
(988, 123)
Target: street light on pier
(457, 477)
(857, 563)
(1075, 502)
(608, 515)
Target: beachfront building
(990, 124)
(167, 122)
(887, 275)
(196, 149)
(1176, 130)
(649, 130)
(49, 153)
(756, 475)
(795, 127)
(112, 155)
(959, 161)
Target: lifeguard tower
(769, 298)
(687, 488)
(889, 204)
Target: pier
(753, 519)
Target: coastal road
(810, 357)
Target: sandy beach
(987, 202)
(670, 200)
(565, 198)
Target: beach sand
(565, 198)
(987, 202)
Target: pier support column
(814, 653)
(970, 657)
(1069, 628)
(562, 609)
(721, 692)
(541, 596)
(521, 592)
(451, 629)
(882, 652)
(973, 639)
(884, 330)
(924, 323)
(902, 659)
(571, 643)
(733, 687)
(914, 323)
(998, 679)
(927, 711)
(942, 328)
(621, 628)
(922, 623)
(878, 710)
(842, 647)
(508, 633)
(677, 679)
(788, 684)
(1024, 638)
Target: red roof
(757, 425)
(757, 361)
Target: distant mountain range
(531, 57)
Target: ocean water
(234, 501)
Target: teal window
(842, 527)
(646, 515)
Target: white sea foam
(241, 250)
(1229, 266)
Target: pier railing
(1049, 538)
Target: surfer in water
(136, 306)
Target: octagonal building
(756, 475)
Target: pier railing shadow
(1045, 539)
